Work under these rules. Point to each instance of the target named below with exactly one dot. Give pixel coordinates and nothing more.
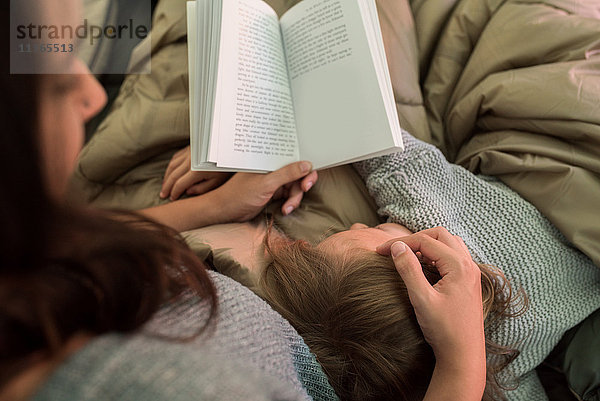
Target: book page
(211, 36)
(340, 109)
(375, 39)
(256, 124)
(199, 44)
(193, 83)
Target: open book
(267, 91)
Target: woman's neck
(26, 383)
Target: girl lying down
(356, 313)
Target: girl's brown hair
(354, 313)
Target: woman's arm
(239, 199)
(450, 313)
(456, 383)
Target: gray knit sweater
(252, 353)
(420, 189)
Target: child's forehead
(342, 242)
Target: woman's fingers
(434, 251)
(294, 192)
(409, 268)
(444, 236)
(294, 198)
(419, 242)
(176, 160)
(205, 182)
(285, 175)
(445, 258)
(437, 233)
(309, 181)
(182, 184)
(171, 179)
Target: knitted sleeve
(250, 352)
(112, 368)
(420, 189)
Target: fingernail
(308, 186)
(162, 195)
(305, 167)
(289, 210)
(397, 249)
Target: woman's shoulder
(243, 319)
(111, 368)
(168, 359)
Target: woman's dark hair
(70, 270)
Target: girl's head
(352, 309)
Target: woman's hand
(246, 194)
(179, 178)
(450, 312)
(240, 199)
